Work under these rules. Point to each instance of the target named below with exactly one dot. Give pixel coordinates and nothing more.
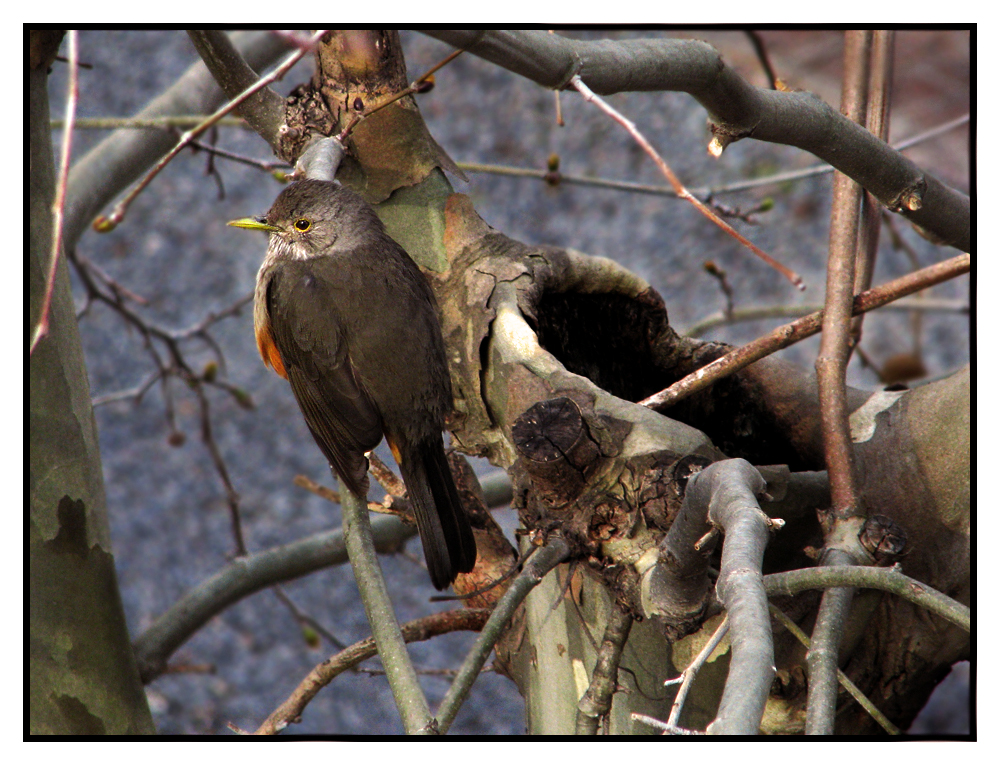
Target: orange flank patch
(394, 450)
(269, 351)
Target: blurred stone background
(169, 517)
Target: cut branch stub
(883, 538)
(558, 452)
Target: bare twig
(305, 621)
(892, 580)
(321, 676)
(703, 192)
(691, 671)
(330, 495)
(59, 201)
(406, 691)
(217, 152)
(107, 223)
(918, 304)
(877, 122)
(761, 50)
(548, 557)
(738, 109)
(735, 485)
(385, 476)
(139, 123)
(844, 680)
(232, 498)
(714, 269)
(678, 187)
(789, 334)
(421, 84)
(673, 730)
(248, 575)
(831, 364)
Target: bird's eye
(302, 225)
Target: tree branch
(737, 108)
(265, 109)
(245, 576)
(117, 161)
(323, 674)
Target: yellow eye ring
(302, 225)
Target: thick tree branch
(265, 109)
(732, 507)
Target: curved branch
(886, 579)
(245, 576)
(738, 109)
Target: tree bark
(82, 674)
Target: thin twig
(385, 476)
(918, 304)
(415, 631)
(877, 123)
(702, 192)
(823, 656)
(678, 187)
(232, 497)
(834, 351)
(140, 123)
(217, 152)
(843, 679)
(892, 580)
(123, 395)
(419, 85)
(761, 50)
(305, 621)
(691, 671)
(851, 249)
(673, 730)
(332, 496)
(789, 334)
(245, 576)
(107, 223)
(59, 200)
(714, 269)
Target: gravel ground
(167, 506)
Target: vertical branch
(59, 203)
(831, 368)
(877, 122)
(822, 658)
(542, 561)
(596, 702)
(831, 363)
(410, 699)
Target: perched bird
(344, 314)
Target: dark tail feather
(449, 546)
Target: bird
(344, 314)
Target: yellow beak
(253, 223)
